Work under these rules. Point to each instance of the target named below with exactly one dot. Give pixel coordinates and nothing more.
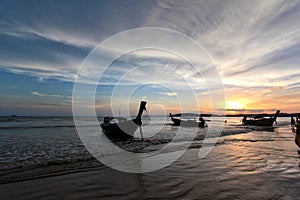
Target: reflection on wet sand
(255, 165)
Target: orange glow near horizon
(235, 105)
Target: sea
(36, 146)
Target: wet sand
(257, 165)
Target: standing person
(244, 119)
(293, 122)
(297, 137)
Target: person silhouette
(244, 119)
(293, 122)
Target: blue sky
(255, 46)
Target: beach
(250, 165)
(153, 99)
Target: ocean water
(38, 142)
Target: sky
(253, 45)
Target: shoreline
(244, 166)
(17, 175)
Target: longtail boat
(120, 128)
(260, 120)
(187, 122)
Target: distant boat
(120, 128)
(187, 122)
(260, 120)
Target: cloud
(243, 38)
(249, 110)
(77, 23)
(255, 45)
(53, 104)
(48, 95)
(168, 93)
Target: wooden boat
(260, 120)
(187, 122)
(120, 128)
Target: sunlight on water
(37, 141)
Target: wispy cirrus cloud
(168, 93)
(49, 95)
(243, 38)
(254, 44)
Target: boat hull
(120, 131)
(120, 128)
(188, 123)
(259, 122)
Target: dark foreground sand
(244, 166)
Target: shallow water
(252, 165)
(30, 142)
(44, 158)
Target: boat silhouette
(187, 122)
(120, 128)
(260, 120)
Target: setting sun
(235, 105)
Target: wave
(31, 127)
(45, 163)
(74, 154)
(42, 127)
(48, 169)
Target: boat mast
(171, 117)
(138, 120)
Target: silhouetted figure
(202, 122)
(244, 119)
(201, 119)
(293, 122)
(297, 137)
